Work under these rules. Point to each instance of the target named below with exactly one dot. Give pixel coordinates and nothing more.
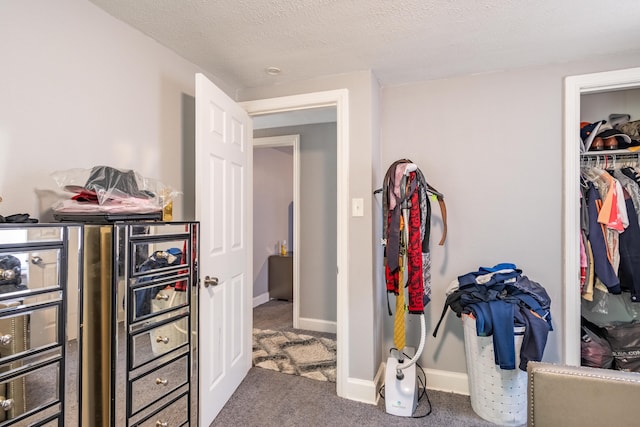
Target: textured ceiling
(401, 41)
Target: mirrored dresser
(139, 325)
(39, 294)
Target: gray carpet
(268, 398)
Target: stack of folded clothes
(108, 191)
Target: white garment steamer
(401, 381)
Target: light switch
(357, 207)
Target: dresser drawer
(172, 415)
(158, 383)
(158, 341)
(24, 271)
(19, 234)
(151, 300)
(25, 392)
(23, 330)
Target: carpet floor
(268, 398)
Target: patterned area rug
(295, 354)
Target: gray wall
(318, 225)
(493, 145)
(272, 197)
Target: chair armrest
(560, 395)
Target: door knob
(210, 281)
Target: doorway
(276, 168)
(312, 312)
(339, 100)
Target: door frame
(290, 141)
(575, 86)
(340, 99)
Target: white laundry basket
(497, 395)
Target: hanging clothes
(610, 222)
(603, 264)
(405, 187)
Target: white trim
(291, 141)
(340, 99)
(316, 325)
(378, 380)
(575, 86)
(261, 299)
(362, 390)
(447, 381)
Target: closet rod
(599, 158)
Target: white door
(223, 133)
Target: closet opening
(609, 87)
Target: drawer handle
(6, 404)
(6, 339)
(160, 381)
(7, 274)
(164, 297)
(162, 423)
(163, 339)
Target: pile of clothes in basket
(501, 299)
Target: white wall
(272, 197)
(78, 89)
(493, 145)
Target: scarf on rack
(409, 191)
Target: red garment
(86, 196)
(414, 256)
(391, 276)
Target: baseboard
(379, 380)
(451, 382)
(317, 325)
(361, 391)
(261, 299)
(367, 391)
